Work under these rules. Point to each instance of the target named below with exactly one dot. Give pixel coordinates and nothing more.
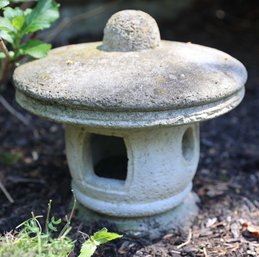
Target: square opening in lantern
(109, 157)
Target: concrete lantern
(131, 106)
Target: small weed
(9, 158)
(100, 237)
(51, 241)
(31, 240)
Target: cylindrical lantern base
(140, 179)
(179, 219)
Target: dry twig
(173, 251)
(10, 109)
(205, 252)
(4, 190)
(189, 238)
(6, 61)
(4, 48)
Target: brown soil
(227, 179)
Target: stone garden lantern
(131, 106)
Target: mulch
(227, 180)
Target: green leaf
(42, 16)
(18, 22)
(6, 25)
(36, 48)
(2, 56)
(11, 53)
(16, 16)
(3, 3)
(52, 228)
(100, 237)
(7, 36)
(88, 248)
(27, 11)
(11, 13)
(103, 236)
(55, 222)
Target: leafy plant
(52, 241)
(31, 240)
(4, 3)
(100, 237)
(18, 27)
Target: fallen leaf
(250, 229)
(210, 222)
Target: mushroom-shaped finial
(131, 30)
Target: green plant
(9, 158)
(18, 27)
(100, 237)
(52, 241)
(31, 240)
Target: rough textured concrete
(179, 218)
(127, 119)
(131, 77)
(161, 166)
(130, 31)
(172, 76)
(139, 100)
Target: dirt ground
(227, 180)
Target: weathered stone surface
(178, 219)
(172, 76)
(130, 31)
(161, 165)
(166, 79)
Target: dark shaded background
(227, 179)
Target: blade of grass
(47, 217)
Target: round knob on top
(130, 30)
